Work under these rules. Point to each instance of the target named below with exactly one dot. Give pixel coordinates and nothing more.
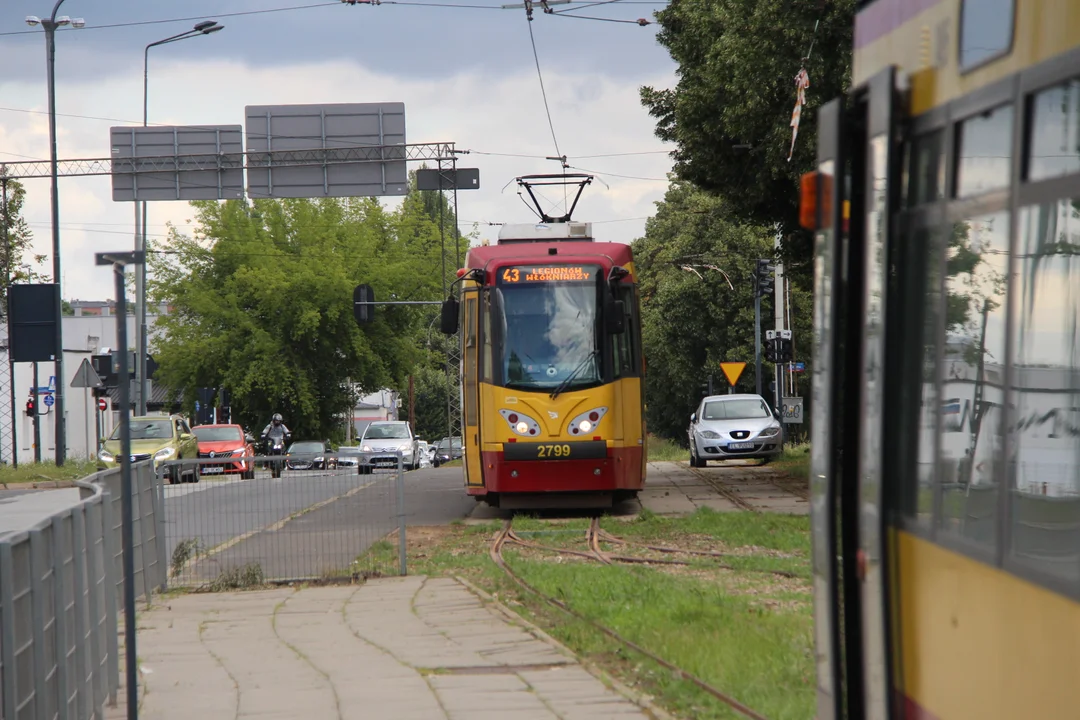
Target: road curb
(638, 698)
(39, 485)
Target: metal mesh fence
(58, 615)
(228, 527)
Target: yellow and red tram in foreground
(945, 462)
(552, 370)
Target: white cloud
(487, 112)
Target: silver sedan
(726, 427)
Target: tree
(262, 305)
(729, 114)
(692, 323)
(19, 237)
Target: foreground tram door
(852, 200)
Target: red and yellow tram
(552, 375)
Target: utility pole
(778, 312)
(757, 338)
(412, 406)
(762, 285)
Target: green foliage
(729, 115)
(16, 231)
(261, 302)
(691, 324)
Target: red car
(225, 441)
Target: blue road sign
(800, 367)
(48, 401)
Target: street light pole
(49, 25)
(203, 28)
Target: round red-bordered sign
(102, 404)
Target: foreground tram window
(973, 377)
(1045, 467)
(1054, 134)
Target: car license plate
(589, 450)
(212, 469)
(741, 446)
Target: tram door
(854, 210)
(470, 388)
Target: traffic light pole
(757, 339)
(36, 418)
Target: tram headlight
(587, 421)
(520, 423)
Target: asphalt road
(304, 524)
(22, 509)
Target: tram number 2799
(553, 451)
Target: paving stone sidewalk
(402, 649)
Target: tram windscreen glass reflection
(549, 328)
(1045, 478)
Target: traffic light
(770, 350)
(763, 277)
(31, 407)
(783, 350)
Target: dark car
(448, 449)
(308, 455)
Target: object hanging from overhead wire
(802, 81)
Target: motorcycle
(275, 449)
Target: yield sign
(732, 371)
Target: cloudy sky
(466, 75)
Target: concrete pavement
(410, 648)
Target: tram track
(723, 490)
(595, 535)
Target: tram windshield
(549, 331)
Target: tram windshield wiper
(577, 371)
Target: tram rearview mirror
(448, 323)
(614, 320)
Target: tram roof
(549, 252)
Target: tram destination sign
(547, 274)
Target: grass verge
(663, 450)
(795, 461)
(744, 631)
(38, 472)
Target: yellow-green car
(161, 437)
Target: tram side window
(986, 30)
(971, 445)
(623, 344)
(925, 259)
(984, 154)
(926, 171)
(1054, 132)
(1044, 470)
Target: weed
(184, 551)
(239, 578)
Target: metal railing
(61, 585)
(148, 525)
(236, 521)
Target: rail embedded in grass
(743, 628)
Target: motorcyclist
(276, 429)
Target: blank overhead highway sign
(356, 150)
